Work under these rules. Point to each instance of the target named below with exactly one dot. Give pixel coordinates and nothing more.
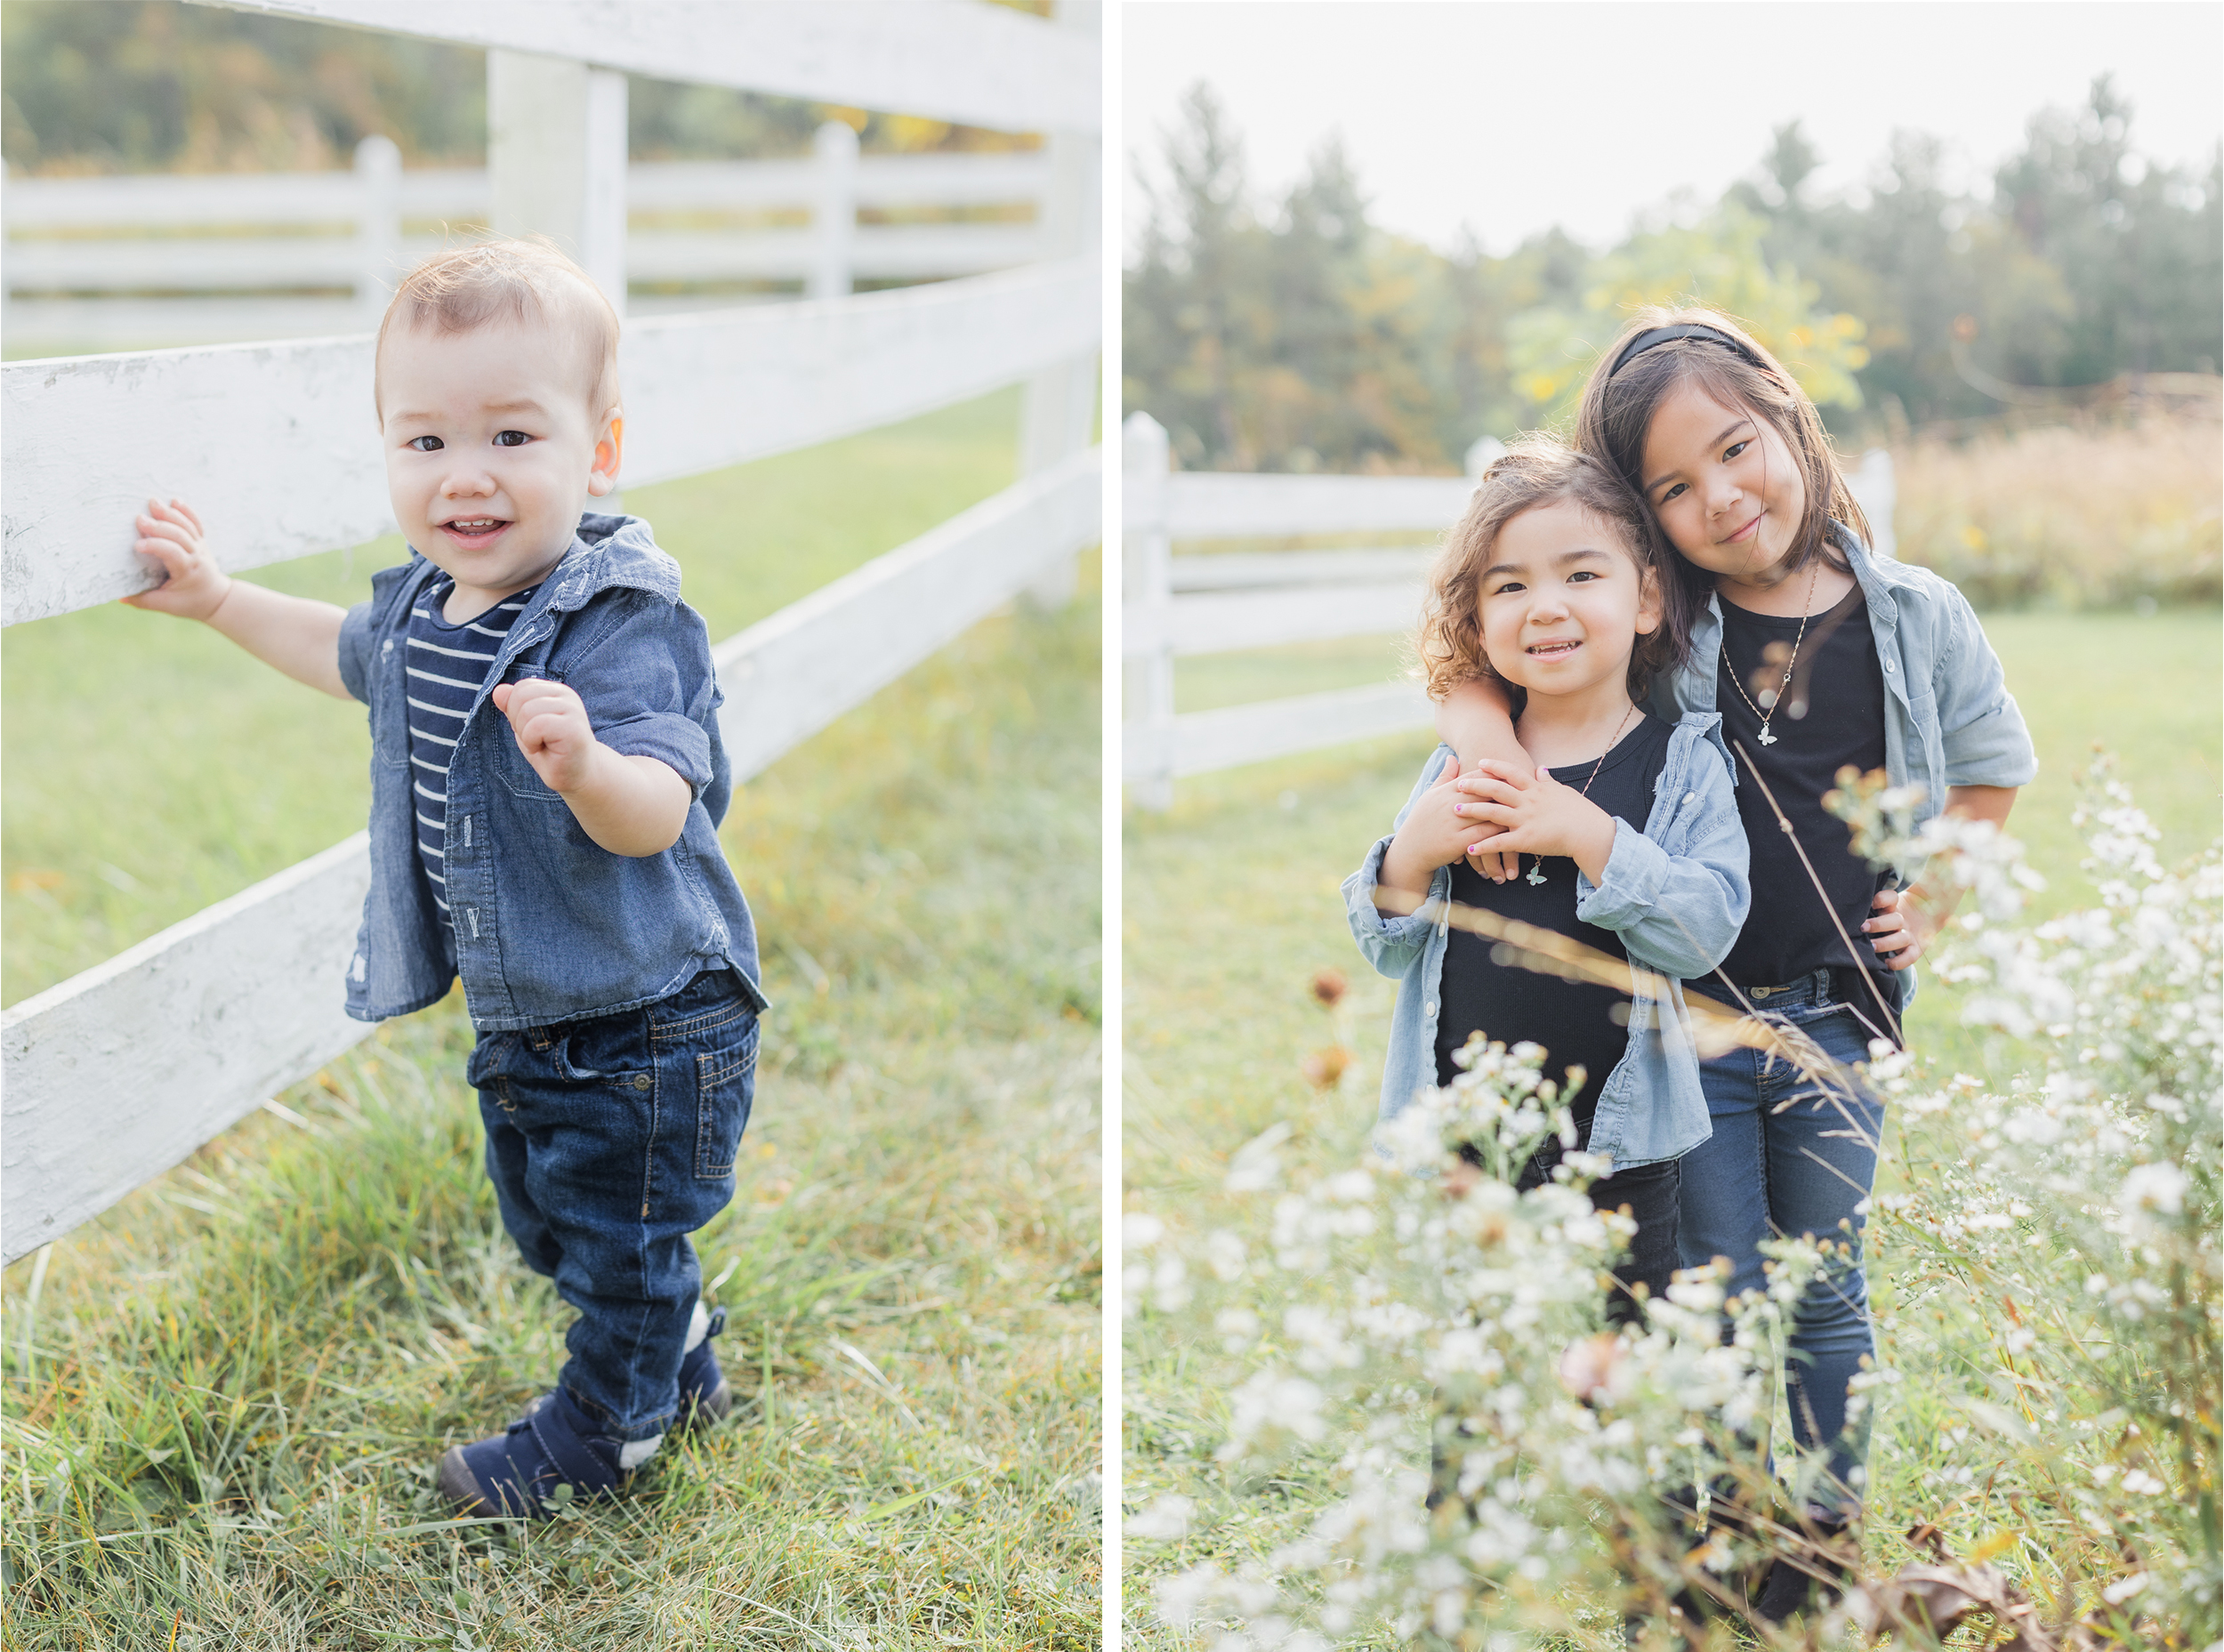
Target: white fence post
(1057, 405)
(834, 215)
(1145, 458)
(556, 160)
(378, 229)
(1877, 490)
(1482, 453)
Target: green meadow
(223, 1399)
(1231, 905)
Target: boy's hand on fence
(1541, 816)
(550, 721)
(173, 536)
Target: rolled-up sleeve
(1681, 913)
(1389, 942)
(646, 682)
(1980, 727)
(355, 651)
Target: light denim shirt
(549, 926)
(1676, 894)
(1949, 717)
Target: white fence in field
(118, 1074)
(105, 262)
(1182, 606)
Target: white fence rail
(114, 1075)
(101, 261)
(1184, 606)
(957, 60)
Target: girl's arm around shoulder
(1678, 893)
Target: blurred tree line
(157, 86)
(1296, 335)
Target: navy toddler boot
(517, 1471)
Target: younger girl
(1547, 583)
(1818, 653)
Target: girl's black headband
(1651, 336)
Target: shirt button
(1888, 664)
(1429, 1010)
(643, 1083)
(1691, 797)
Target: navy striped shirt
(446, 665)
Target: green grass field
(223, 1403)
(1231, 905)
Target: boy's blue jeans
(1788, 1158)
(608, 1142)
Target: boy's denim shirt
(1676, 894)
(549, 926)
(1949, 717)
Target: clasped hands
(1502, 812)
(1515, 810)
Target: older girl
(1818, 653)
(1628, 834)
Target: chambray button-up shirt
(550, 926)
(1949, 717)
(1675, 893)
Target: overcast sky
(1509, 117)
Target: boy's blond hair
(1535, 471)
(526, 279)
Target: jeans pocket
(489, 1058)
(725, 1083)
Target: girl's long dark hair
(1617, 411)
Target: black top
(1574, 1021)
(1789, 932)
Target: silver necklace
(1536, 872)
(1776, 695)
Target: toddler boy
(546, 784)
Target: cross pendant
(1766, 737)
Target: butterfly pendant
(1766, 737)
(1536, 872)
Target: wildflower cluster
(1434, 1342)
(1429, 1430)
(2063, 1218)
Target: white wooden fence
(118, 1074)
(108, 262)
(1180, 606)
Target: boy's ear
(609, 454)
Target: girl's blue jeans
(1790, 1158)
(608, 1142)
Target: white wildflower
(1167, 1519)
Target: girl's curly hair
(1538, 470)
